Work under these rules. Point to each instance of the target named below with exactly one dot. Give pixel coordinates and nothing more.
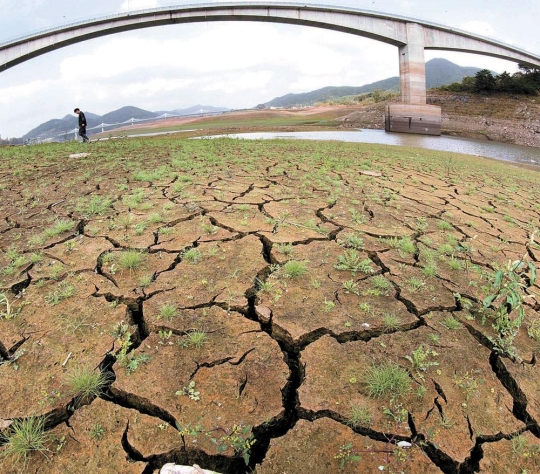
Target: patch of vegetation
(131, 259)
(59, 227)
(359, 416)
(192, 255)
(195, 337)
(63, 291)
(387, 380)
(294, 268)
(87, 383)
(351, 261)
(168, 312)
(24, 438)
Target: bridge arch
(411, 36)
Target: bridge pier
(412, 115)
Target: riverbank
(501, 118)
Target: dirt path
(241, 297)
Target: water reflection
(499, 151)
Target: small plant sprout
(346, 455)
(352, 261)
(131, 362)
(380, 286)
(350, 286)
(64, 290)
(451, 323)
(192, 255)
(419, 360)
(190, 392)
(468, 384)
(455, 264)
(415, 283)
(146, 280)
(5, 308)
(421, 224)
(164, 335)
(294, 268)
(359, 416)
(390, 322)
(533, 330)
(264, 286)
(194, 337)
(328, 306)
(285, 249)
(364, 307)
(406, 246)
(97, 432)
(353, 241)
(59, 227)
(167, 311)
(444, 225)
(239, 438)
(70, 246)
(209, 228)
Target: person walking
(82, 125)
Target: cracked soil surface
(235, 287)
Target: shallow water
(496, 150)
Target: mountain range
(60, 128)
(439, 72)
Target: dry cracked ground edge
(270, 307)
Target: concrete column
(412, 67)
(413, 115)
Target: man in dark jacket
(82, 125)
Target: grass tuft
(387, 380)
(24, 438)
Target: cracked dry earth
(237, 289)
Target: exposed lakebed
(273, 275)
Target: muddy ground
(237, 295)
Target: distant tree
(526, 81)
(484, 81)
(505, 82)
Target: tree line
(525, 81)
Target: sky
(225, 64)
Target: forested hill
(439, 72)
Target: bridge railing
(215, 5)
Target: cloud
(23, 91)
(237, 82)
(153, 87)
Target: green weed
(86, 383)
(294, 268)
(352, 261)
(131, 259)
(387, 380)
(24, 438)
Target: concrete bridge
(411, 37)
